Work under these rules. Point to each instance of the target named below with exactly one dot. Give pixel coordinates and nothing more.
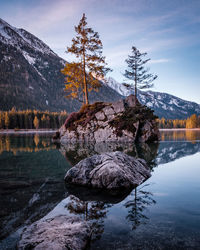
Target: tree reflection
(180, 135)
(137, 206)
(28, 143)
(92, 211)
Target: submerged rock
(110, 171)
(119, 121)
(60, 232)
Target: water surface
(162, 213)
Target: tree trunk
(85, 82)
(135, 99)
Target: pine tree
(192, 122)
(7, 120)
(137, 72)
(1, 119)
(36, 122)
(43, 121)
(74, 84)
(83, 75)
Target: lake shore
(178, 129)
(27, 131)
(44, 131)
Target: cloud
(162, 60)
(45, 15)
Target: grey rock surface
(99, 128)
(110, 171)
(148, 132)
(58, 233)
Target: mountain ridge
(30, 78)
(30, 74)
(165, 105)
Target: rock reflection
(93, 205)
(136, 207)
(93, 211)
(74, 152)
(154, 153)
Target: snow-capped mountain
(30, 74)
(30, 77)
(20, 38)
(165, 105)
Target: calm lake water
(162, 213)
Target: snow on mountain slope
(120, 88)
(30, 75)
(165, 105)
(20, 38)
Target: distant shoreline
(49, 131)
(27, 131)
(178, 129)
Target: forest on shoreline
(34, 119)
(191, 122)
(31, 119)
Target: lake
(162, 213)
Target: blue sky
(169, 31)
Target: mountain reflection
(32, 171)
(170, 151)
(154, 153)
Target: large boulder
(106, 122)
(59, 232)
(109, 171)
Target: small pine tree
(192, 122)
(137, 72)
(43, 120)
(36, 122)
(7, 120)
(1, 119)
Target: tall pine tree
(137, 72)
(83, 75)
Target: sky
(169, 31)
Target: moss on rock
(127, 119)
(83, 116)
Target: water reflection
(136, 206)
(171, 151)
(180, 135)
(31, 180)
(95, 207)
(74, 152)
(154, 153)
(93, 211)
(28, 143)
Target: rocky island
(102, 122)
